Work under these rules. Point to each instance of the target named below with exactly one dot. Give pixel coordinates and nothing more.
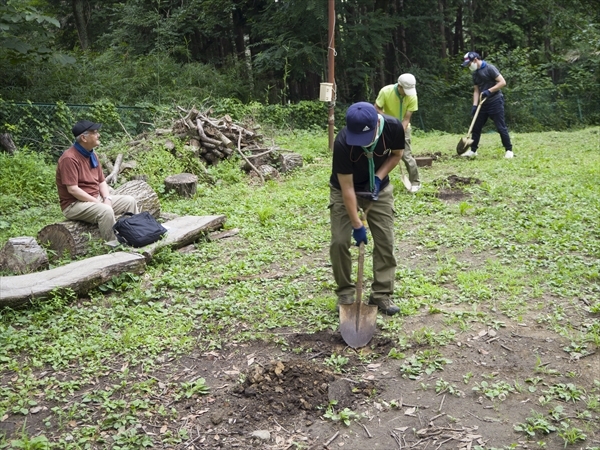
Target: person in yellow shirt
(400, 101)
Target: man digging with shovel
(488, 83)
(364, 153)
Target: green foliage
(426, 361)
(336, 362)
(498, 390)
(536, 423)
(345, 416)
(24, 34)
(190, 388)
(26, 181)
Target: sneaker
(470, 153)
(385, 305)
(414, 188)
(509, 154)
(344, 300)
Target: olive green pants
(409, 160)
(380, 219)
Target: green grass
(522, 245)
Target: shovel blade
(463, 145)
(407, 183)
(358, 323)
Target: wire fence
(47, 127)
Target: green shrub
(26, 180)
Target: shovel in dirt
(358, 321)
(464, 143)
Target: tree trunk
(81, 24)
(442, 29)
(459, 42)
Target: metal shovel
(404, 178)
(464, 143)
(358, 321)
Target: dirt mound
(287, 386)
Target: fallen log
(143, 193)
(72, 237)
(79, 276)
(22, 255)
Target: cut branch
(112, 177)
(247, 160)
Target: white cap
(408, 82)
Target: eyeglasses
(92, 132)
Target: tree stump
(185, 184)
(290, 161)
(74, 236)
(145, 196)
(7, 143)
(23, 255)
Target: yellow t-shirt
(394, 105)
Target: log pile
(213, 140)
(209, 139)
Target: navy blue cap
(361, 121)
(469, 57)
(84, 125)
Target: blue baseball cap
(469, 57)
(361, 122)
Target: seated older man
(82, 189)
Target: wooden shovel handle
(360, 276)
(475, 116)
(361, 259)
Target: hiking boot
(385, 305)
(344, 300)
(509, 154)
(470, 153)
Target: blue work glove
(486, 93)
(360, 235)
(473, 110)
(375, 194)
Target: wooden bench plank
(81, 276)
(182, 231)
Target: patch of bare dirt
(452, 187)
(262, 396)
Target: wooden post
(330, 69)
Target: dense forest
(141, 52)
